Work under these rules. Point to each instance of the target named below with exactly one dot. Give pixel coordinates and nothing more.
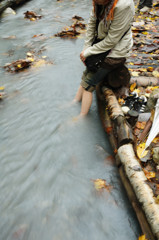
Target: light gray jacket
(112, 32)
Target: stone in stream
(8, 12)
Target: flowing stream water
(49, 161)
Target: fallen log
(10, 3)
(145, 81)
(141, 189)
(121, 127)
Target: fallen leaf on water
(31, 15)
(77, 18)
(101, 184)
(39, 63)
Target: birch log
(145, 81)
(142, 190)
(123, 131)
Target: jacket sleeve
(119, 25)
(91, 28)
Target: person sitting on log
(107, 44)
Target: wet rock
(8, 12)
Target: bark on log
(105, 119)
(145, 81)
(142, 190)
(112, 102)
(123, 131)
(10, 3)
(145, 227)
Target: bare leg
(79, 94)
(86, 102)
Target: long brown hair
(109, 13)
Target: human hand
(82, 56)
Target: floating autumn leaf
(140, 150)
(39, 63)
(101, 184)
(67, 34)
(132, 86)
(79, 25)
(2, 93)
(77, 18)
(143, 237)
(31, 15)
(18, 65)
(38, 35)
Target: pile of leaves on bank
(145, 53)
(141, 106)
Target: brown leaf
(31, 15)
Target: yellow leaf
(137, 90)
(1, 88)
(135, 74)
(140, 150)
(131, 63)
(150, 69)
(19, 65)
(156, 140)
(143, 69)
(100, 184)
(30, 59)
(32, 19)
(145, 33)
(133, 86)
(39, 63)
(143, 237)
(149, 175)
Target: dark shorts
(91, 79)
